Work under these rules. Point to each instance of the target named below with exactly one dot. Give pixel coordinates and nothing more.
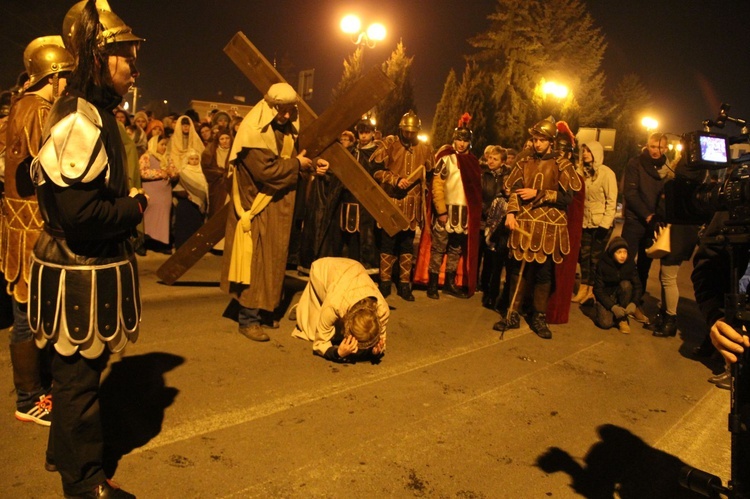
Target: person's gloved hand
(619, 311)
(631, 308)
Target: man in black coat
(644, 179)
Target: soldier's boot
(386, 270)
(432, 286)
(404, 277)
(538, 322)
(450, 288)
(512, 321)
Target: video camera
(707, 178)
(710, 186)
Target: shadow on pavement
(192, 284)
(620, 463)
(133, 398)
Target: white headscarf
(153, 149)
(193, 180)
(255, 131)
(176, 149)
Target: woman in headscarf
(204, 130)
(222, 119)
(154, 128)
(185, 137)
(157, 173)
(191, 193)
(140, 121)
(214, 164)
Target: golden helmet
(410, 122)
(45, 56)
(545, 128)
(115, 30)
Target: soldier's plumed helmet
(563, 144)
(410, 122)
(46, 56)
(114, 29)
(545, 127)
(462, 131)
(565, 141)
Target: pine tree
(389, 112)
(532, 40)
(352, 72)
(474, 96)
(445, 112)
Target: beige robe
(335, 285)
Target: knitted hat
(615, 244)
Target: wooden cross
(318, 135)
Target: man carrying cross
(265, 166)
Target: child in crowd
(191, 194)
(617, 287)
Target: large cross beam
(318, 135)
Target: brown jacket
(542, 220)
(394, 162)
(22, 222)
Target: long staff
(510, 310)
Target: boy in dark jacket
(617, 287)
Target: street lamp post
(374, 33)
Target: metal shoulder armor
(73, 152)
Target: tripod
(737, 313)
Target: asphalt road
(196, 410)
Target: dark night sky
(691, 55)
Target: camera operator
(727, 341)
(711, 279)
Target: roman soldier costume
(398, 159)
(456, 194)
(356, 223)
(544, 226)
(540, 238)
(83, 285)
(543, 229)
(22, 223)
(45, 60)
(83, 277)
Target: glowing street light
(649, 123)
(352, 26)
(555, 89)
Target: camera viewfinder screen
(713, 149)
